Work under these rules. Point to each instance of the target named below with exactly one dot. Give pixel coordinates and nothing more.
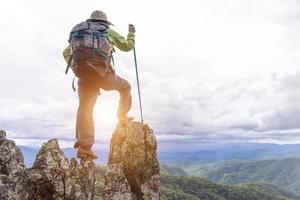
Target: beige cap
(99, 15)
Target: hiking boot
(125, 119)
(82, 153)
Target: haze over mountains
(209, 154)
(231, 151)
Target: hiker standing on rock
(90, 57)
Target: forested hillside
(192, 188)
(176, 187)
(180, 187)
(284, 172)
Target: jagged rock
(11, 158)
(52, 176)
(133, 169)
(11, 165)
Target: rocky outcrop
(133, 169)
(52, 177)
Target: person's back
(89, 55)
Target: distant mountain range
(228, 152)
(207, 155)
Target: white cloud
(209, 69)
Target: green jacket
(115, 39)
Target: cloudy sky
(211, 71)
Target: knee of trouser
(126, 86)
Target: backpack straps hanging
(69, 64)
(73, 85)
(112, 59)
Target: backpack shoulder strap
(69, 64)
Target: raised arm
(124, 44)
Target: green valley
(284, 172)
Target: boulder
(133, 169)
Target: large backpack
(87, 40)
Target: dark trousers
(88, 91)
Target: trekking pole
(140, 101)
(138, 85)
